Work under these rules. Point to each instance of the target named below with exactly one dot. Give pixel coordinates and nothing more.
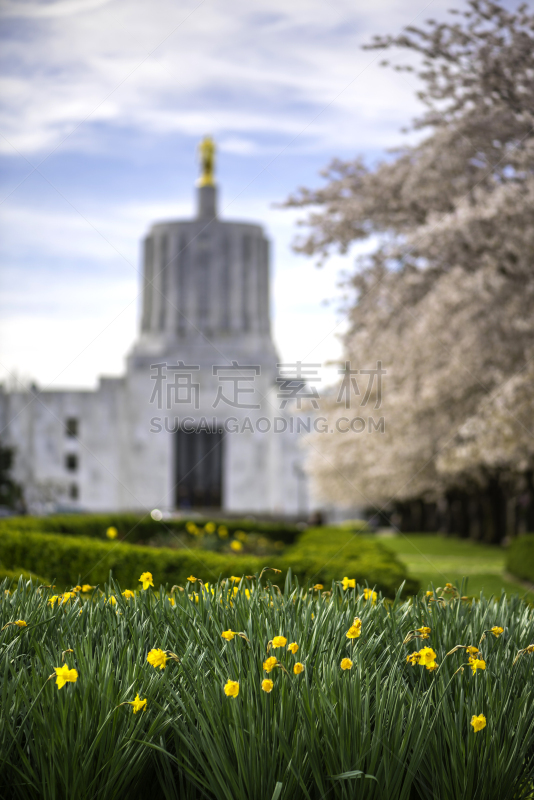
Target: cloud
(163, 67)
(57, 8)
(107, 98)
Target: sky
(104, 102)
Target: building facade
(199, 419)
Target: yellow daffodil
(496, 631)
(478, 722)
(346, 663)
(318, 587)
(222, 531)
(413, 659)
(279, 641)
(247, 594)
(267, 685)
(293, 647)
(192, 579)
(112, 533)
(76, 588)
(66, 596)
(424, 631)
(472, 650)
(228, 635)
(138, 704)
(476, 663)
(191, 528)
(429, 593)
(236, 546)
(157, 657)
(270, 664)
(128, 594)
(298, 668)
(21, 623)
(65, 675)
(232, 688)
(431, 666)
(234, 579)
(368, 594)
(209, 527)
(348, 583)
(426, 656)
(112, 600)
(355, 630)
(87, 587)
(146, 580)
(53, 600)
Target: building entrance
(198, 468)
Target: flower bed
(137, 528)
(240, 691)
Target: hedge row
(321, 555)
(520, 557)
(329, 553)
(136, 529)
(17, 572)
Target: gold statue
(206, 151)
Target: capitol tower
(197, 421)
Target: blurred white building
(200, 419)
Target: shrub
(321, 554)
(381, 729)
(17, 572)
(70, 559)
(324, 554)
(520, 557)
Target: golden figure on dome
(206, 151)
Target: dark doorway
(198, 464)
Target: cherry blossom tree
(446, 299)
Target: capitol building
(203, 416)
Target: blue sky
(104, 103)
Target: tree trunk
(497, 502)
(529, 506)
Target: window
(71, 426)
(74, 491)
(71, 462)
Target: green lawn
(438, 559)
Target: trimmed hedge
(16, 573)
(137, 529)
(520, 557)
(321, 555)
(329, 553)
